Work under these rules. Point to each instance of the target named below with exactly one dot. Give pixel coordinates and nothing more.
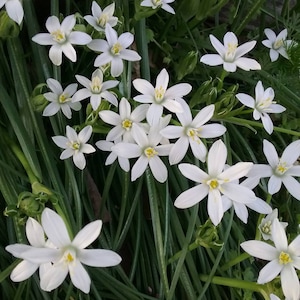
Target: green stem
(236, 283)
(218, 258)
(221, 80)
(249, 123)
(235, 261)
(153, 200)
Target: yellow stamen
(69, 258)
(230, 53)
(96, 85)
(75, 146)
(214, 184)
(281, 168)
(116, 48)
(159, 93)
(284, 258)
(278, 44)
(63, 98)
(103, 20)
(156, 2)
(127, 124)
(266, 228)
(58, 36)
(150, 152)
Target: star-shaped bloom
(147, 150)
(283, 259)
(230, 55)
(72, 254)
(96, 89)
(106, 146)
(114, 50)
(14, 9)
(240, 209)
(215, 183)
(36, 237)
(159, 3)
(75, 145)
(100, 17)
(160, 96)
(265, 226)
(61, 38)
(191, 131)
(60, 99)
(262, 105)
(124, 120)
(277, 44)
(280, 170)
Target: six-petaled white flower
(277, 44)
(100, 17)
(14, 10)
(124, 120)
(114, 50)
(230, 55)
(96, 89)
(191, 131)
(283, 259)
(159, 3)
(280, 170)
(60, 99)
(215, 183)
(75, 145)
(148, 152)
(61, 38)
(36, 237)
(263, 104)
(160, 96)
(265, 226)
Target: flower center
(278, 44)
(64, 98)
(213, 184)
(58, 36)
(230, 51)
(194, 134)
(284, 258)
(281, 168)
(103, 20)
(157, 3)
(75, 145)
(96, 85)
(116, 48)
(266, 228)
(159, 93)
(265, 103)
(127, 124)
(150, 152)
(69, 256)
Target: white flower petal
(214, 206)
(260, 250)
(269, 272)
(292, 185)
(23, 271)
(290, 282)
(191, 196)
(158, 169)
(247, 64)
(270, 153)
(178, 150)
(53, 277)
(35, 233)
(79, 160)
(193, 172)
(79, 276)
(55, 228)
(99, 257)
(216, 158)
(246, 100)
(274, 184)
(139, 167)
(212, 59)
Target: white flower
(230, 55)
(124, 120)
(159, 3)
(100, 18)
(36, 237)
(262, 105)
(61, 37)
(14, 9)
(280, 170)
(277, 44)
(96, 89)
(240, 209)
(106, 146)
(265, 226)
(160, 96)
(147, 150)
(72, 254)
(215, 183)
(114, 50)
(75, 145)
(60, 99)
(283, 259)
(191, 131)
(274, 297)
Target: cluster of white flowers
(57, 256)
(146, 133)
